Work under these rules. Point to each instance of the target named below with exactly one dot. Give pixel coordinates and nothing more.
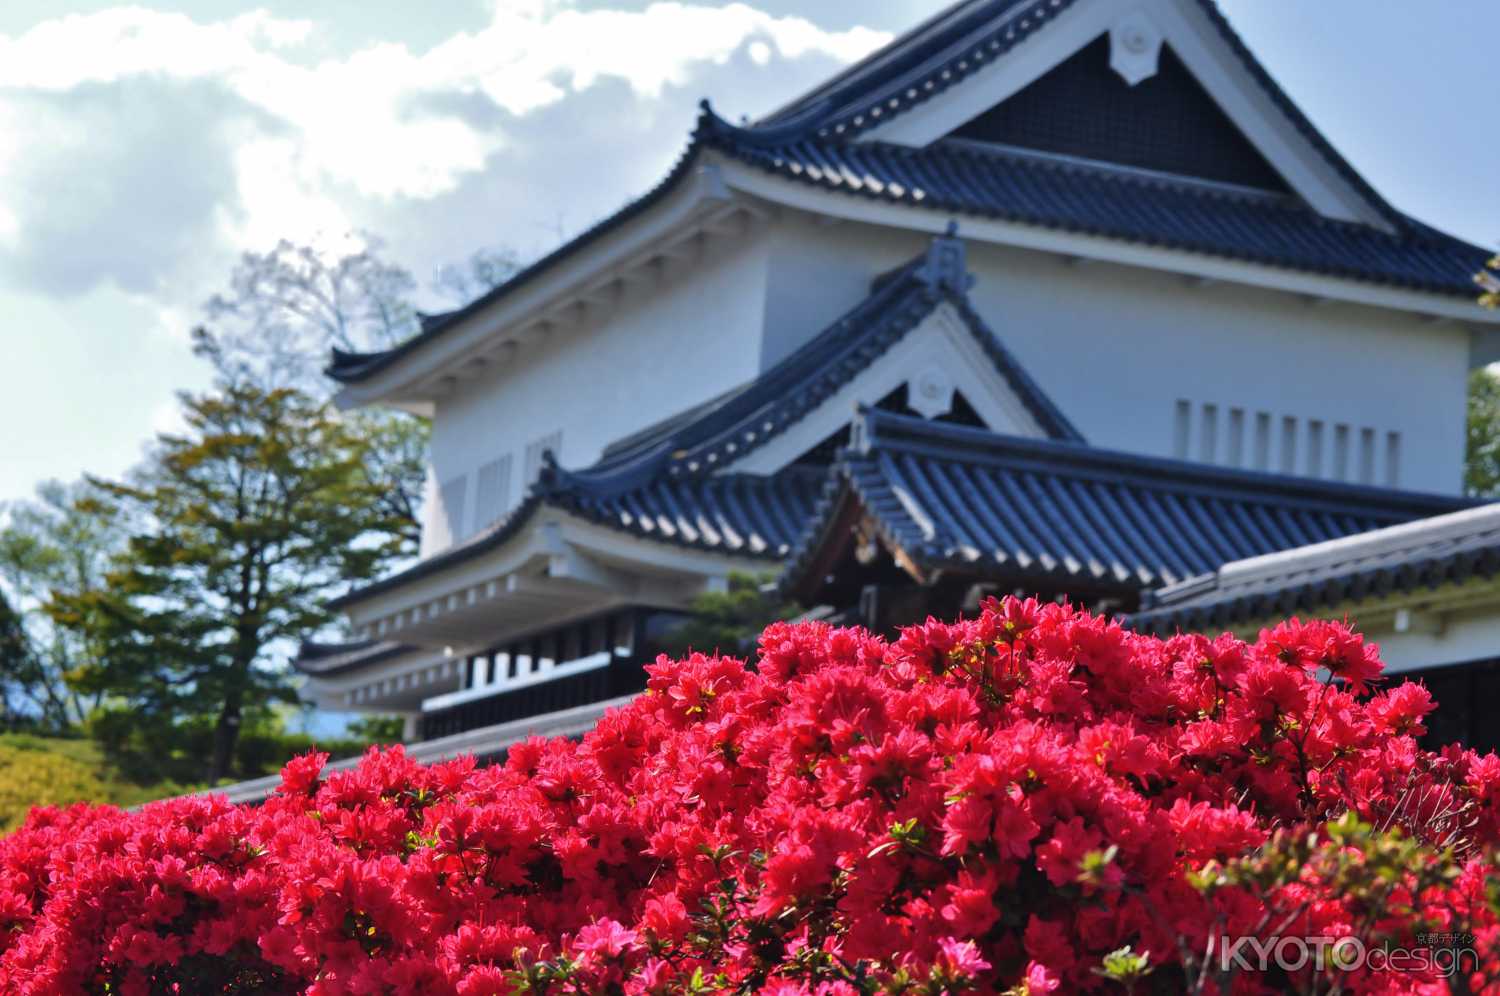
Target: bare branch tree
(483, 271)
(287, 308)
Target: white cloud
(141, 151)
(167, 419)
(126, 41)
(519, 55)
(279, 32)
(10, 150)
(367, 119)
(278, 197)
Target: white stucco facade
(661, 346)
(1140, 360)
(1436, 638)
(1122, 348)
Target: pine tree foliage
(248, 522)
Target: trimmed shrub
(1029, 801)
(40, 778)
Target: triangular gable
(916, 330)
(939, 78)
(937, 369)
(1166, 121)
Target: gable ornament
(1134, 47)
(930, 393)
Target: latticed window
(452, 495)
(534, 451)
(492, 492)
(1289, 444)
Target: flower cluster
(1030, 801)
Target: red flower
(960, 959)
(983, 806)
(300, 775)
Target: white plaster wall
(819, 269)
(662, 347)
(1117, 347)
(1469, 636)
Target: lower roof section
(945, 498)
(722, 431)
(375, 676)
(743, 516)
(331, 659)
(1459, 548)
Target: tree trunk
(226, 735)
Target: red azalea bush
(1030, 801)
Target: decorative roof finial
(946, 266)
(549, 475)
(861, 432)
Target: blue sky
(142, 147)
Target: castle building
(1056, 296)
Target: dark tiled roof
(812, 136)
(1017, 509)
(736, 423)
(915, 67)
(947, 49)
(1417, 556)
(751, 514)
(1124, 203)
(755, 516)
(810, 141)
(325, 659)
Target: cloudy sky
(142, 147)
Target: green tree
(1482, 447)
(246, 523)
(283, 313)
(286, 309)
(62, 541)
(729, 621)
(15, 659)
(1488, 279)
(378, 729)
